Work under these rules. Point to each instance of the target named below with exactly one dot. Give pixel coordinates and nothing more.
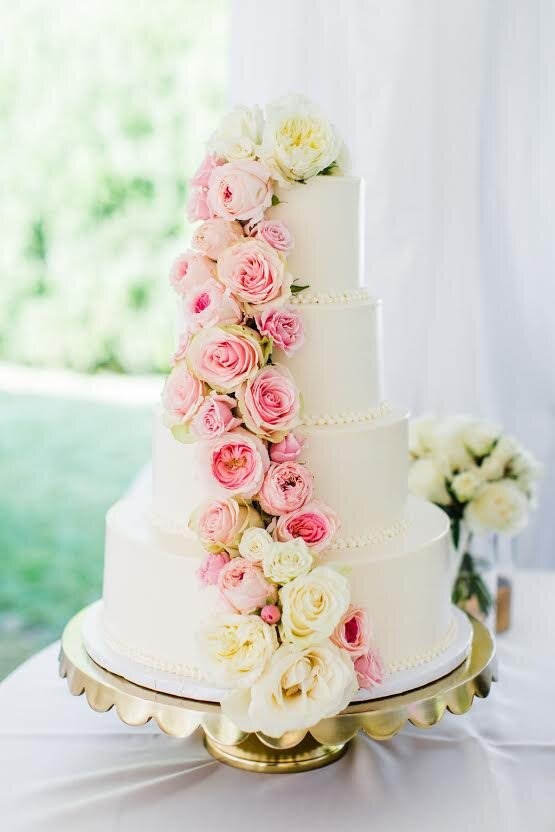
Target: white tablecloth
(65, 767)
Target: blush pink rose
(182, 347)
(202, 174)
(284, 327)
(190, 269)
(182, 395)
(353, 632)
(270, 403)
(315, 522)
(288, 450)
(236, 462)
(214, 236)
(287, 486)
(271, 614)
(255, 273)
(240, 190)
(275, 233)
(214, 416)
(243, 586)
(219, 524)
(225, 356)
(369, 669)
(197, 205)
(211, 566)
(208, 304)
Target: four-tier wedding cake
(278, 564)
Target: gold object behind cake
(324, 743)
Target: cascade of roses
(287, 623)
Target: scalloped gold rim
(380, 719)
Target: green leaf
(295, 289)
(275, 200)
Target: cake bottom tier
(153, 602)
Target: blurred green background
(104, 110)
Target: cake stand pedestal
(296, 751)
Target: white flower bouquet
(483, 479)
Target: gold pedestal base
(296, 751)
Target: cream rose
(283, 562)
(237, 648)
(480, 436)
(498, 507)
(238, 135)
(313, 605)
(466, 484)
(254, 545)
(427, 480)
(297, 690)
(297, 141)
(495, 465)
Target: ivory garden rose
(269, 403)
(312, 606)
(240, 190)
(220, 524)
(235, 463)
(214, 236)
(182, 395)
(284, 327)
(243, 586)
(255, 273)
(237, 648)
(208, 304)
(498, 506)
(297, 690)
(255, 544)
(353, 633)
(238, 135)
(283, 562)
(316, 523)
(287, 486)
(275, 233)
(225, 356)
(189, 270)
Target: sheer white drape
(448, 111)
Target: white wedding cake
(279, 548)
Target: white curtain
(448, 109)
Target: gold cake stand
(296, 751)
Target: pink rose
(353, 633)
(219, 524)
(275, 233)
(287, 486)
(202, 175)
(288, 450)
(243, 585)
(369, 669)
(270, 403)
(197, 205)
(315, 522)
(236, 462)
(211, 566)
(213, 236)
(182, 347)
(240, 190)
(189, 270)
(208, 304)
(270, 614)
(182, 395)
(284, 327)
(255, 273)
(214, 416)
(225, 356)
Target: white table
(65, 767)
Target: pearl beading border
(168, 526)
(414, 661)
(330, 298)
(349, 418)
(369, 539)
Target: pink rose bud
(211, 566)
(270, 614)
(369, 669)
(288, 450)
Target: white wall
(448, 107)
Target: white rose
(498, 507)
(286, 561)
(426, 479)
(480, 436)
(493, 467)
(298, 689)
(424, 436)
(254, 544)
(236, 648)
(312, 606)
(466, 484)
(297, 141)
(453, 449)
(238, 135)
